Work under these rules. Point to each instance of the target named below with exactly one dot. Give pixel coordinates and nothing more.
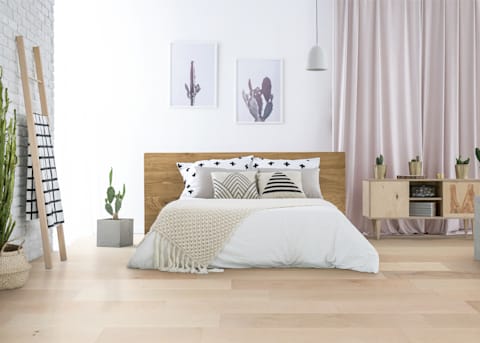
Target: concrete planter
(114, 233)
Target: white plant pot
(114, 233)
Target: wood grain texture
(32, 141)
(427, 290)
(163, 183)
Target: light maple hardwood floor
(428, 290)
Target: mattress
(318, 236)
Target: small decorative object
(14, 267)
(258, 91)
(193, 74)
(422, 191)
(462, 167)
(422, 209)
(415, 166)
(114, 232)
(440, 176)
(410, 177)
(380, 169)
(477, 154)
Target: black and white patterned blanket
(51, 189)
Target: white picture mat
(204, 54)
(256, 70)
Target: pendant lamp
(316, 58)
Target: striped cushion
(237, 185)
(280, 184)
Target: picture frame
(259, 91)
(193, 74)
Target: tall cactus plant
(8, 161)
(111, 196)
(193, 88)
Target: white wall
(33, 19)
(112, 83)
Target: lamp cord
(316, 22)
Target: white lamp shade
(316, 59)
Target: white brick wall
(33, 19)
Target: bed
(308, 233)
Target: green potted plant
(380, 169)
(14, 267)
(462, 167)
(114, 231)
(415, 166)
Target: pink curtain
(450, 80)
(405, 78)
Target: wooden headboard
(163, 183)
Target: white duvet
(317, 236)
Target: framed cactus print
(193, 74)
(258, 91)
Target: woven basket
(14, 267)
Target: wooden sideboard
(395, 198)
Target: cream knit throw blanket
(189, 234)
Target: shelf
(419, 217)
(425, 199)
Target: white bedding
(317, 236)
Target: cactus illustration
(111, 195)
(192, 89)
(256, 97)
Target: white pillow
(280, 184)
(309, 163)
(197, 185)
(235, 185)
(309, 168)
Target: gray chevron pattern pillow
(236, 185)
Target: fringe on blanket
(171, 258)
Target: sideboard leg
(466, 225)
(472, 225)
(376, 227)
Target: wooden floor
(428, 290)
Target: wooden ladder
(37, 174)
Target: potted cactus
(14, 267)
(462, 167)
(380, 169)
(415, 166)
(114, 232)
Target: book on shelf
(411, 177)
